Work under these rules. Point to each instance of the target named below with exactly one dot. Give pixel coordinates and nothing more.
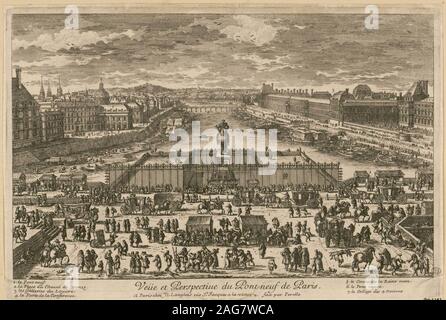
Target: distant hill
(146, 88)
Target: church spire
(59, 89)
(42, 90)
(48, 91)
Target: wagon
(171, 201)
(77, 210)
(99, 241)
(309, 198)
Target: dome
(103, 95)
(361, 91)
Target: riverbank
(69, 146)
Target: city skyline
(227, 51)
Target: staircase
(34, 244)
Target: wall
(181, 177)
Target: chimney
(18, 75)
(346, 90)
(312, 92)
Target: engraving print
(223, 146)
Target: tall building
(416, 107)
(117, 117)
(424, 113)
(42, 90)
(59, 90)
(52, 120)
(80, 115)
(26, 124)
(49, 94)
(102, 96)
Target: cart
(171, 201)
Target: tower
(48, 91)
(59, 89)
(104, 97)
(42, 91)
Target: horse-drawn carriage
(251, 197)
(309, 198)
(131, 205)
(75, 210)
(278, 200)
(207, 206)
(392, 193)
(369, 197)
(99, 240)
(168, 201)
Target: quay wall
(70, 146)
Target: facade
(371, 112)
(424, 114)
(52, 120)
(80, 116)
(138, 111)
(26, 122)
(414, 109)
(406, 112)
(117, 117)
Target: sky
(323, 52)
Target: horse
(338, 256)
(384, 260)
(365, 256)
(60, 253)
(364, 213)
(45, 259)
(50, 255)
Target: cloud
(58, 61)
(66, 39)
(252, 30)
(183, 72)
(264, 64)
(336, 73)
(224, 50)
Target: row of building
(49, 117)
(385, 109)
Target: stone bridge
(210, 108)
